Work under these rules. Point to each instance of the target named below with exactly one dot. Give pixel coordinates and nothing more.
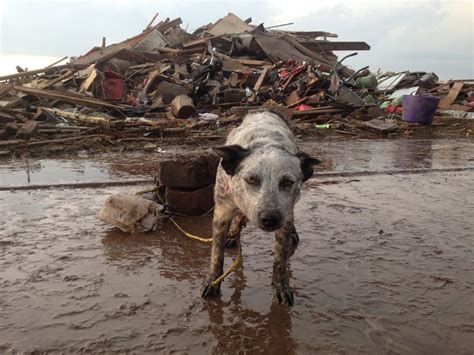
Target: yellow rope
(189, 235)
(235, 263)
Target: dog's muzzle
(270, 220)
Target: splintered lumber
(317, 111)
(65, 76)
(170, 24)
(345, 46)
(5, 88)
(57, 62)
(151, 22)
(452, 95)
(336, 46)
(28, 129)
(315, 34)
(67, 97)
(39, 71)
(61, 140)
(291, 40)
(182, 106)
(95, 120)
(261, 78)
(86, 84)
(252, 62)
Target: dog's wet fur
(259, 178)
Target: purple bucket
(418, 108)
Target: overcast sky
(420, 35)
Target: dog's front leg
(222, 220)
(233, 239)
(283, 250)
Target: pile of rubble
(166, 82)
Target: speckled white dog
(259, 179)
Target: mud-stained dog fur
(259, 179)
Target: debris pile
(166, 82)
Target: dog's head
(266, 182)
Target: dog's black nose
(270, 219)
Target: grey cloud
(402, 36)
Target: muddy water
(338, 156)
(386, 265)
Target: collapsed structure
(166, 81)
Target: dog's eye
(252, 180)
(286, 182)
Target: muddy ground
(386, 262)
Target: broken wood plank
(12, 142)
(61, 140)
(86, 84)
(252, 62)
(67, 97)
(317, 111)
(452, 95)
(27, 130)
(170, 24)
(5, 88)
(261, 78)
(57, 62)
(42, 70)
(337, 46)
(314, 34)
(151, 22)
(65, 76)
(11, 129)
(95, 120)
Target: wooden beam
(65, 76)
(42, 70)
(58, 61)
(317, 111)
(95, 120)
(338, 46)
(67, 97)
(261, 78)
(170, 24)
(315, 34)
(452, 95)
(151, 22)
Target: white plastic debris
(130, 213)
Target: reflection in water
(235, 328)
(175, 256)
(238, 329)
(413, 154)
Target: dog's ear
(232, 156)
(307, 163)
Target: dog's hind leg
(233, 239)
(284, 244)
(223, 215)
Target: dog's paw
(284, 294)
(231, 243)
(209, 290)
(295, 237)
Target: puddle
(385, 265)
(338, 156)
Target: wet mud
(385, 265)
